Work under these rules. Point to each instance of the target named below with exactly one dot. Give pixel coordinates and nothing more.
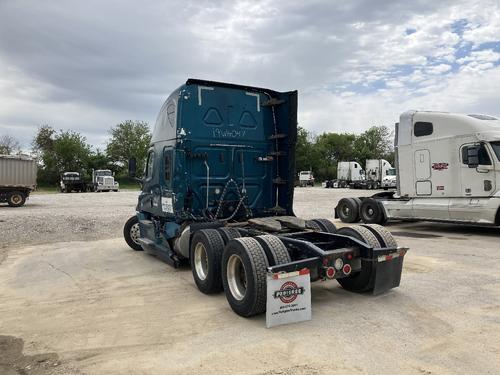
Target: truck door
(150, 198)
(479, 181)
(423, 184)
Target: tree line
(321, 153)
(59, 151)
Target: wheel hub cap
(236, 277)
(201, 261)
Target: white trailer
(448, 169)
(17, 179)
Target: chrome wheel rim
(236, 277)
(201, 261)
(345, 210)
(135, 233)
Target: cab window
(149, 164)
(484, 158)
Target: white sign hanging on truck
(288, 298)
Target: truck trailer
(448, 169)
(218, 194)
(17, 179)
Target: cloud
(89, 65)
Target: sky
(89, 65)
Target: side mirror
(473, 156)
(132, 167)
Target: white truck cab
(103, 180)
(306, 178)
(447, 169)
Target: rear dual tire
(244, 271)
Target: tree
(59, 152)
(375, 143)
(9, 145)
(129, 139)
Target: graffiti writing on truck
(228, 133)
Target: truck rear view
(17, 179)
(218, 193)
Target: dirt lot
(74, 299)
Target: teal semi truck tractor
(217, 193)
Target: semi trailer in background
(17, 179)
(448, 169)
(218, 193)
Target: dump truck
(104, 180)
(17, 179)
(448, 169)
(72, 181)
(217, 194)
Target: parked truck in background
(448, 169)
(17, 179)
(306, 178)
(352, 175)
(72, 181)
(103, 180)
(389, 181)
(218, 193)
(376, 171)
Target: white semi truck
(103, 180)
(376, 171)
(351, 174)
(448, 169)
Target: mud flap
(387, 271)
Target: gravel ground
(49, 218)
(74, 299)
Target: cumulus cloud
(89, 65)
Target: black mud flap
(387, 271)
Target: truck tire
(371, 212)
(348, 210)
(228, 234)
(311, 224)
(131, 233)
(383, 235)
(326, 225)
(275, 250)
(244, 268)
(16, 199)
(207, 247)
(362, 281)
